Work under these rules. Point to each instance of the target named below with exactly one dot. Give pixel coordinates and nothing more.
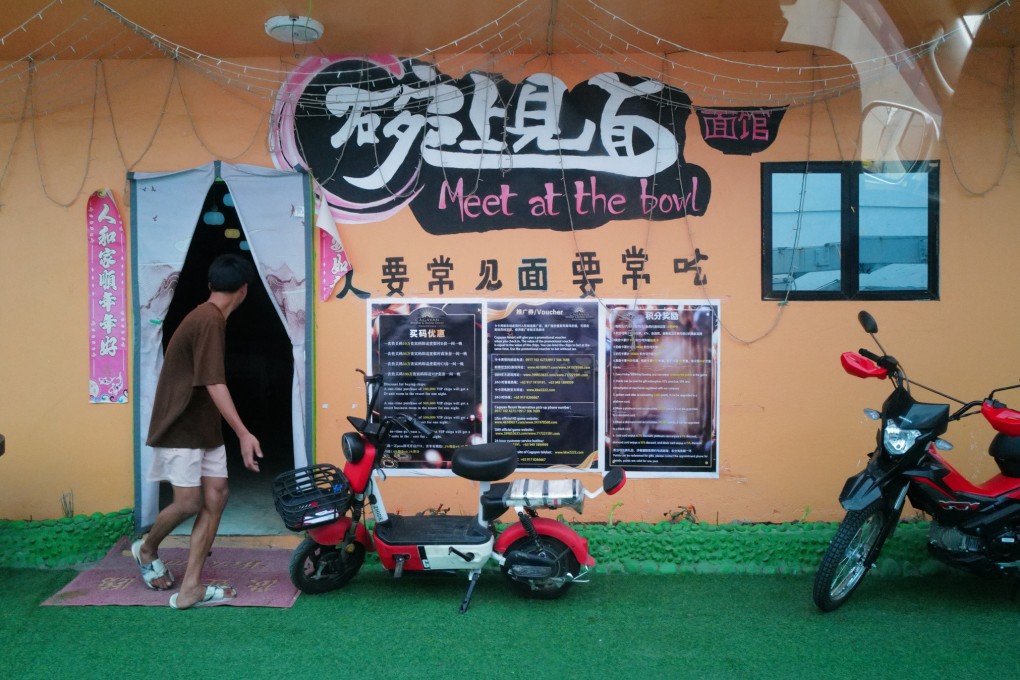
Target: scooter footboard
(547, 527)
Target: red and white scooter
(539, 557)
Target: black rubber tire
(849, 556)
(546, 588)
(338, 567)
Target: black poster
(543, 381)
(429, 357)
(662, 390)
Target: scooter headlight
(898, 441)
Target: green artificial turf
(618, 626)
(665, 547)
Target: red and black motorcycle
(540, 557)
(974, 527)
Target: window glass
(845, 230)
(893, 218)
(806, 229)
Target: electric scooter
(974, 527)
(539, 557)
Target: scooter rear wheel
(316, 568)
(849, 556)
(546, 587)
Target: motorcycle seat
(485, 462)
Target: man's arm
(250, 447)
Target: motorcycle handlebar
(869, 355)
(887, 362)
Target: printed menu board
(661, 388)
(543, 381)
(428, 355)
(579, 384)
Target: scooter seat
(485, 462)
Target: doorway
(259, 369)
(180, 222)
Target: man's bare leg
(215, 493)
(186, 502)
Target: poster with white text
(429, 356)
(662, 387)
(543, 363)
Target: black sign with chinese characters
(740, 131)
(543, 381)
(582, 384)
(428, 356)
(480, 152)
(661, 390)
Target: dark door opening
(259, 369)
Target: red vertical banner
(333, 262)
(107, 254)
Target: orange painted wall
(791, 428)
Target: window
(838, 231)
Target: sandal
(213, 595)
(153, 570)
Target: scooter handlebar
(415, 424)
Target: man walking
(186, 436)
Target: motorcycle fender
(333, 534)
(547, 527)
(860, 491)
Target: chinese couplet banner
(107, 288)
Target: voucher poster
(662, 387)
(543, 367)
(429, 354)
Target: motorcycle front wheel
(850, 555)
(316, 568)
(547, 583)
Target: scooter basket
(311, 496)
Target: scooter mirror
(868, 323)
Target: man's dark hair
(229, 272)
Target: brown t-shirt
(183, 413)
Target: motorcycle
(539, 557)
(974, 527)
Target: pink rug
(260, 576)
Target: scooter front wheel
(316, 568)
(542, 569)
(850, 555)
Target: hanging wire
(64, 32)
(129, 167)
(88, 150)
(198, 135)
(1009, 104)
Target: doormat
(261, 577)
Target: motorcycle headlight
(898, 441)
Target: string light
(70, 32)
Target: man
(185, 433)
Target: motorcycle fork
(893, 511)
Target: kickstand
(472, 580)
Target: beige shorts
(187, 467)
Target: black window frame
(850, 172)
